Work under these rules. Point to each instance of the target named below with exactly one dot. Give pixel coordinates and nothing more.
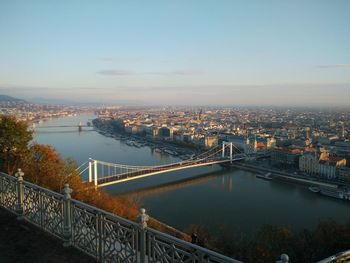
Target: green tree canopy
(14, 140)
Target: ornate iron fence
(102, 235)
(165, 248)
(8, 197)
(43, 208)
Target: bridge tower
(224, 145)
(80, 126)
(90, 170)
(93, 171)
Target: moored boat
(336, 193)
(314, 189)
(264, 176)
(339, 193)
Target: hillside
(6, 98)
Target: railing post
(20, 194)
(284, 259)
(67, 219)
(100, 234)
(143, 218)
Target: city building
(285, 156)
(309, 163)
(210, 141)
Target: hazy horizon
(271, 53)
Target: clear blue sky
(177, 52)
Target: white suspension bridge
(105, 173)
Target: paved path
(23, 242)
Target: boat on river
(264, 176)
(314, 189)
(170, 152)
(338, 193)
(130, 143)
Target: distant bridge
(80, 126)
(104, 173)
(62, 126)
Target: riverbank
(176, 149)
(329, 189)
(276, 174)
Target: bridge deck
(119, 178)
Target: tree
(44, 166)
(329, 238)
(14, 140)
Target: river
(233, 200)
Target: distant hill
(6, 98)
(68, 102)
(54, 101)
(41, 100)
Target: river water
(218, 198)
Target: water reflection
(172, 186)
(165, 158)
(226, 183)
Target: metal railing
(104, 236)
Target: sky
(190, 52)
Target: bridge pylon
(93, 174)
(224, 145)
(90, 170)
